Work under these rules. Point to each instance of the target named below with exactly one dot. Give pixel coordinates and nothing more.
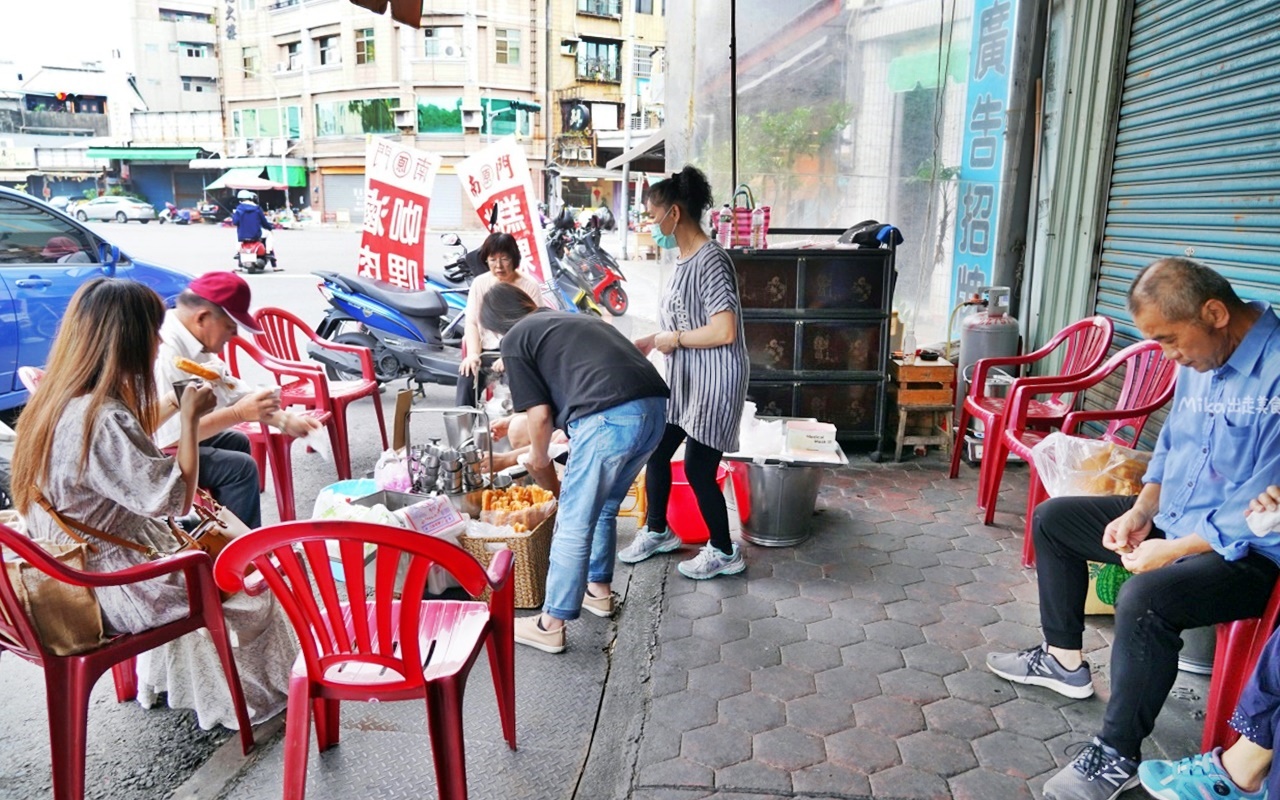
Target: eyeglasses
(506, 261)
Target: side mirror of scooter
(450, 240)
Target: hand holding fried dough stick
(197, 369)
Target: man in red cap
(208, 313)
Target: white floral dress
(127, 487)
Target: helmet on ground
(245, 194)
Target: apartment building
(306, 82)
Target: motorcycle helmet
(246, 195)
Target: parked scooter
(601, 270)
(401, 327)
(178, 216)
(453, 281)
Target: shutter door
(1197, 152)
(345, 193)
(446, 204)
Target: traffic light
(520, 105)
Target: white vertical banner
(498, 178)
(397, 197)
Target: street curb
(612, 760)
(228, 762)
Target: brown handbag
(66, 617)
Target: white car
(117, 207)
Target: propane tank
(986, 333)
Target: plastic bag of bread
(520, 507)
(1072, 465)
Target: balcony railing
(601, 8)
(65, 122)
(599, 70)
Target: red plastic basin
(683, 515)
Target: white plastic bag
(392, 472)
(1073, 466)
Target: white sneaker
(710, 562)
(647, 543)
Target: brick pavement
(853, 665)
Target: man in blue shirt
(252, 224)
(1184, 536)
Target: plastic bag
(1072, 466)
(341, 492)
(392, 472)
(522, 508)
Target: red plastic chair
(69, 679)
(1085, 344)
(267, 444)
(1240, 644)
(1148, 386)
(30, 377)
(357, 649)
(282, 333)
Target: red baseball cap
(229, 292)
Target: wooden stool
(922, 387)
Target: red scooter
(584, 254)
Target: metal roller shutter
(446, 204)
(346, 193)
(1196, 166)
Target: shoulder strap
(66, 523)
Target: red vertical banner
(397, 197)
(498, 178)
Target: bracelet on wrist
(678, 333)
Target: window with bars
(364, 46)
(642, 61)
(506, 45)
(329, 53)
(600, 60)
(251, 61)
(443, 42)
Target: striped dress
(708, 385)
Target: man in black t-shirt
(577, 373)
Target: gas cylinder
(986, 333)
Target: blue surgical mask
(667, 241)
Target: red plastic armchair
(1085, 344)
(1240, 645)
(1148, 385)
(282, 333)
(269, 445)
(381, 649)
(69, 679)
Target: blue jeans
(608, 449)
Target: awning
(297, 175)
(648, 156)
(145, 153)
(244, 178)
(924, 69)
(590, 174)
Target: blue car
(44, 257)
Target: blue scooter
(401, 327)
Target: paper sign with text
(499, 176)
(397, 195)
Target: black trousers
(700, 466)
(1152, 610)
(230, 475)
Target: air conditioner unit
(239, 148)
(471, 118)
(406, 118)
(262, 147)
(282, 66)
(451, 51)
(430, 33)
(568, 47)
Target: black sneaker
(1098, 772)
(1037, 667)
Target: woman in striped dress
(707, 369)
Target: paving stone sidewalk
(853, 665)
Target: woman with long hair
(707, 368)
(85, 451)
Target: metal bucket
(775, 501)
